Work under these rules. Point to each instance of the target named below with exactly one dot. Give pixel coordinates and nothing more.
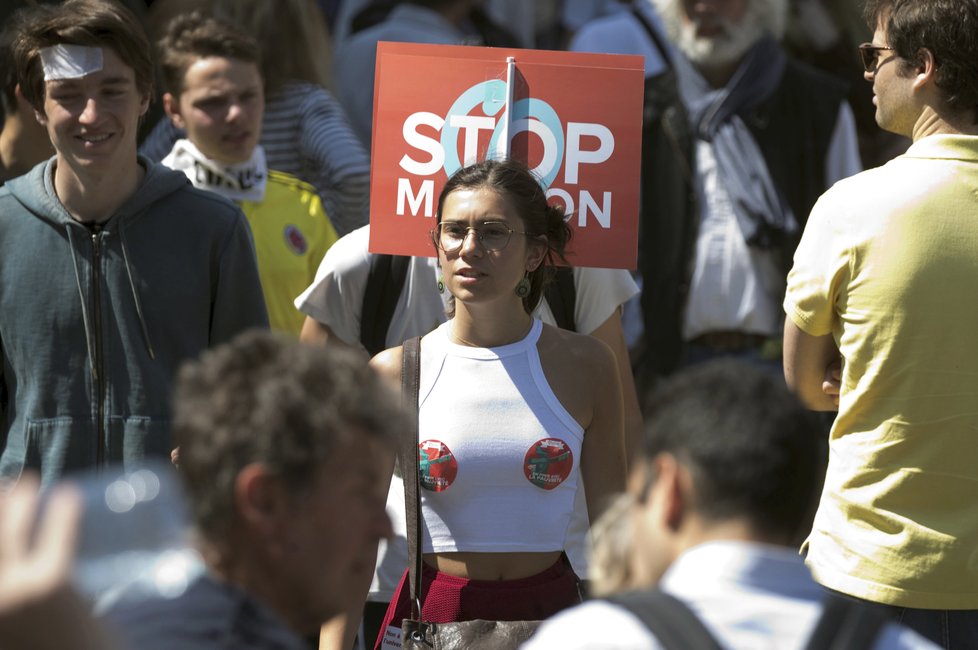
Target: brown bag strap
(408, 460)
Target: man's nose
(90, 113)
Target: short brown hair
(947, 29)
(95, 23)
(265, 398)
(194, 36)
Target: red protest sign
(574, 118)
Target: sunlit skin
(92, 122)
(475, 275)
(892, 91)
(221, 107)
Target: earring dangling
(441, 283)
(523, 288)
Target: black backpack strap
(561, 296)
(384, 284)
(657, 42)
(674, 624)
(846, 624)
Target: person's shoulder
(603, 34)
(289, 183)
(595, 624)
(388, 363)
(349, 253)
(200, 206)
(158, 623)
(580, 349)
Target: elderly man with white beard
(739, 142)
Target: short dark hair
(266, 398)
(945, 27)
(754, 452)
(95, 23)
(194, 36)
(522, 190)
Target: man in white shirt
(739, 142)
(723, 496)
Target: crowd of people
(620, 459)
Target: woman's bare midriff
(492, 566)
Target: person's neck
(253, 575)
(93, 197)
(718, 76)
(489, 326)
(943, 122)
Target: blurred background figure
(724, 494)
(305, 131)
(448, 22)
(39, 609)
(283, 449)
(215, 94)
(23, 141)
(826, 34)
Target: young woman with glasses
(520, 423)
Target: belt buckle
(772, 349)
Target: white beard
(735, 39)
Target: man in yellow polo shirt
(215, 93)
(886, 279)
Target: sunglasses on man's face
(870, 55)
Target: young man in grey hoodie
(113, 269)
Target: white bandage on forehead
(70, 61)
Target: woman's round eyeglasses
(491, 235)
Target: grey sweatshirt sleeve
(238, 303)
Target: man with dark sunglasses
(884, 281)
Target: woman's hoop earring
(523, 288)
(441, 283)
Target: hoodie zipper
(98, 373)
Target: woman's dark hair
(517, 185)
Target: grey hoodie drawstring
(84, 303)
(135, 293)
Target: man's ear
(260, 500)
(925, 70)
(669, 490)
(172, 108)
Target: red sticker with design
(296, 240)
(548, 463)
(437, 467)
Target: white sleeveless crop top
(499, 455)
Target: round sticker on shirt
(548, 463)
(437, 467)
(296, 240)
